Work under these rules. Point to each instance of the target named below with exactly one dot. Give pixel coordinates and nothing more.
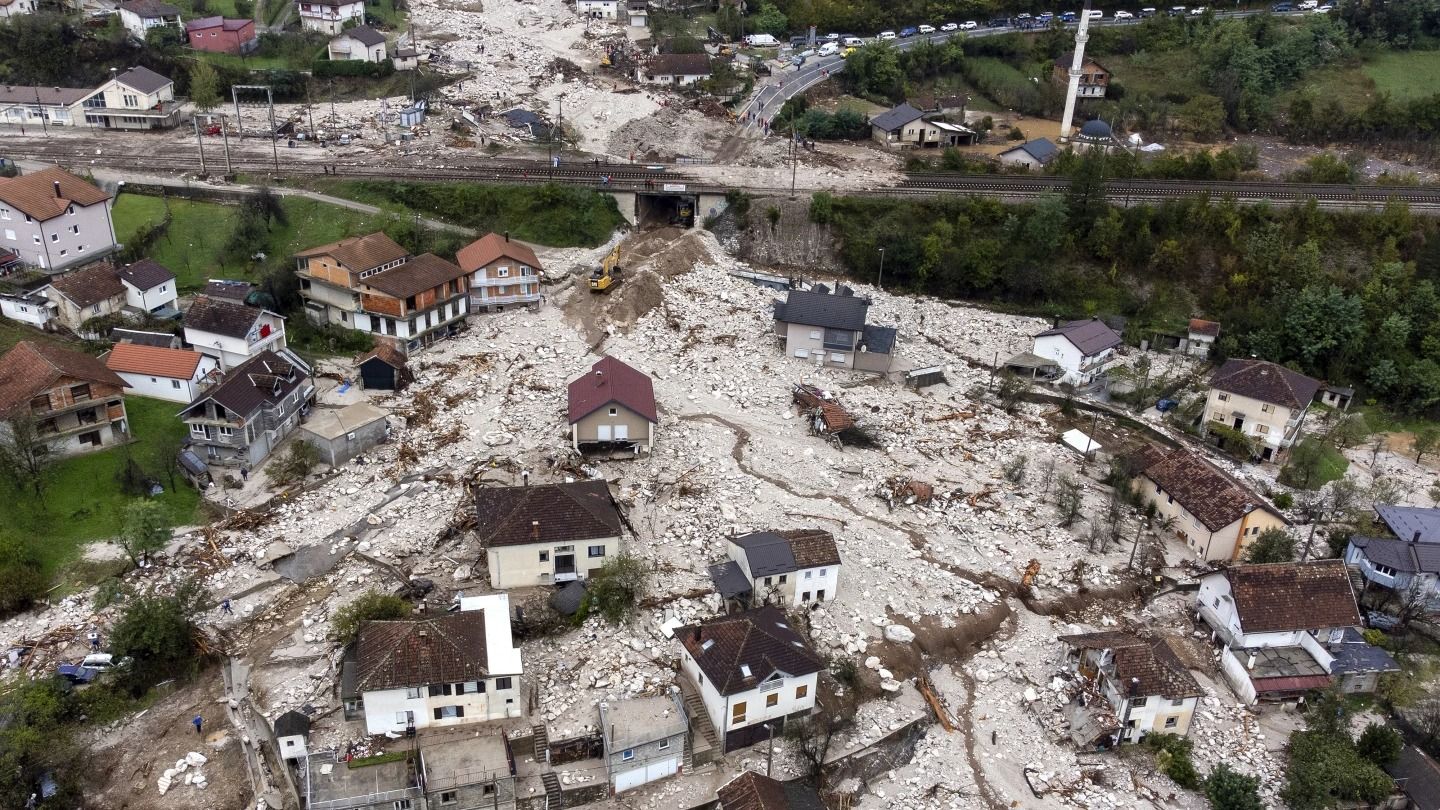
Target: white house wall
(520, 566)
(1237, 676)
(383, 708)
(1062, 351)
(25, 312)
(69, 239)
(167, 388)
(787, 704)
(152, 299)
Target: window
(413, 693)
(449, 712)
(769, 581)
(1178, 702)
(9, 235)
(628, 754)
(35, 237)
(403, 718)
(75, 229)
(823, 570)
(466, 688)
(544, 556)
(808, 574)
(745, 670)
(805, 597)
(664, 745)
(1221, 396)
(1140, 701)
(836, 357)
(612, 412)
(784, 577)
(815, 334)
(1261, 430)
(1217, 416)
(438, 689)
(401, 804)
(1384, 570)
(502, 272)
(772, 700)
(801, 691)
(198, 431)
(737, 714)
(820, 594)
(225, 432)
(174, 383)
(54, 237)
(449, 796)
(4, 212)
(1171, 722)
(502, 683)
(597, 551)
(80, 393)
(1267, 408)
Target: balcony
(523, 298)
(521, 278)
(771, 686)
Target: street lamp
(880, 279)
(561, 127)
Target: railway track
(1170, 189)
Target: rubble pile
(186, 771)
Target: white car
(1198, 10)
(1124, 15)
(949, 27)
(1096, 14)
(1307, 5)
(927, 29)
(832, 37)
(853, 42)
(886, 36)
(969, 25)
(1324, 9)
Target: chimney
(114, 72)
(535, 529)
(1416, 538)
(524, 478)
(507, 236)
(57, 189)
(1250, 664)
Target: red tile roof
(30, 369)
(1151, 665)
(1213, 497)
(1266, 381)
(493, 246)
(1199, 326)
(1293, 596)
(546, 513)
(755, 791)
(760, 640)
(400, 654)
(610, 380)
(179, 364)
(35, 193)
(360, 253)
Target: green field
(254, 62)
(1405, 75)
(1158, 74)
(194, 244)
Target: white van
(886, 36)
(853, 42)
(830, 49)
(1096, 14)
(761, 41)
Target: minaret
(1076, 68)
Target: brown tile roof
(365, 35)
(400, 654)
(1203, 327)
(221, 317)
(756, 791)
(679, 64)
(143, 79)
(1213, 497)
(386, 353)
(150, 8)
(1150, 664)
(48, 96)
(30, 369)
(610, 380)
(1265, 381)
(34, 193)
(228, 289)
(360, 253)
(266, 378)
(546, 513)
(91, 285)
(812, 547)
(146, 274)
(493, 246)
(1293, 596)
(424, 272)
(760, 639)
(160, 362)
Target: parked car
(969, 25)
(1124, 15)
(829, 49)
(1325, 9)
(1096, 14)
(1069, 17)
(1198, 10)
(907, 32)
(949, 27)
(1166, 405)
(1283, 8)
(1307, 5)
(76, 673)
(1178, 11)
(886, 36)
(1381, 621)
(926, 29)
(845, 54)
(806, 54)
(832, 37)
(1147, 12)
(852, 41)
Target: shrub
(1379, 744)
(371, 606)
(615, 591)
(22, 580)
(1173, 758)
(1230, 790)
(158, 634)
(1284, 500)
(297, 463)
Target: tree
(204, 86)
(1352, 430)
(22, 577)
(297, 463)
(1068, 500)
(158, 634)
(26, 454)
(146, 528)
(1425, 441)
(1306, 460)
(1228, 789)
(1379, 744)
(771, 20)
(616, 590)
(1272, 546)
(1013, 389)
(371, 606)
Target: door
(662, 769)
(1239, 422)
(564, 567)
(602, 433)
(622, 432)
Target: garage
(635, 777)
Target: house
(1417, 778)
(906, 126)
(1200, 337)
(225, 289)
(598, 9)
(149, 289)
(232, 333)
(1216, 516)
(177, 375)
(361, 44)
(380, 783)
(139, 98)
(40, 107)
(1034, 154)
(1282, 629)
(1082, 348)
(341, 434)
(29, 307)
(1263, 401)
(292, 734)
(54, 220)
(221, 35)
(384, 369)
(830, 330)
(243, 418)
(644, 739)
(755, 791)
(612, 406)
(139, 337)
(534, 535)
(1336, 396)
(677, 69)
(76, 403)
(792, 567)
(1128, 688)
(638, 12)
(93, 292)
(1408, 566)
(474, 771)
(449, 670)
(406, 58)
(139, 16)
(415, 304)
(329, 16)
(330, 275)
(503, 273)
(752, 671)
(1094, 78)
(14, 8)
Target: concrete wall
(344, 447)
(521, 567)
(72, 316)
(83, 234)
(637, 426)
(383, 707)
(1237, 676)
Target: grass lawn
(194, 246)
(389, 17)
(1157, 73)
(83, 501)
(12, 332)
(1405, 75)
(253, 62)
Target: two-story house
(752, 671)
(241, 419)
(359, 44)
(644, 739)
(503, 273)
(25, 105)
(830, 330)
(1216, 516)
(178, 375)
(1265, 401)
(330, 275)
(1128, 687)
(139, 16)
(222, 35)
(906, 126)
(415, 304)
(1406, 560)
(788, 567)
(77, 405)
(232, 333)
(449, 670)
(1284, 629)
(546, 534)
(93, 292)
(329, 16)
(139, 98)
(150, 289)
(612, 407)
(1082, 348)
(54, 220)
(756, 791)
(598, 9)
(1094, 78)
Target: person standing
(225, 607)
(198, 722)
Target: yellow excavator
(607, 276)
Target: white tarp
(1080, 442)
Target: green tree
(770, 20)
(1352, 430)
(146, 528)
(204, 86)
(1086, 197)
(1272, 546)
(22, 577)
(297, 463)
(158, 634)
(874, 72)
(1306, 460)
(616, 590)
(1203, 116)
(1228, 789)
(1425, 441)
(1325, 769)
(1379, 744)
(26, 455)
(371, 606)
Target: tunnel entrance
(662, 209)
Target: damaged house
(244, 417)
(1129, 687)
(1216, 516)
(546, 534)
(1262, 400)
(1407, 562)
(830, 330)
(612, 407)
(77, 404)
(1287, 628)
(789, 568)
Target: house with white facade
(1200, 337)
(1215, 515)
(1265, 401)
(638, 13)
(150, 289)
(359, 44)
(292, 735)
(54, 220)
(29, 307)
(241, 419)
(330, 275)
(787, 567)
(178, 375)
(139, 98)
(1408, 568)
(1082, 348)
(24, 105)
(598, 9)
(1284, 629)
(752, 672)
(1126, 687)
(232, 333)
(644, 739)
(674, 69)
(139, 16)
(547, 534)
(449, 670)
(14, 8)
(329, 16)
(830, 329)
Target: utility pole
(770, 750)
(225, 134)
(794, 161)
(1139, 530)
(40, 108)
(880, 280)
(195, 122)
(310, 110)
(274, 136)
